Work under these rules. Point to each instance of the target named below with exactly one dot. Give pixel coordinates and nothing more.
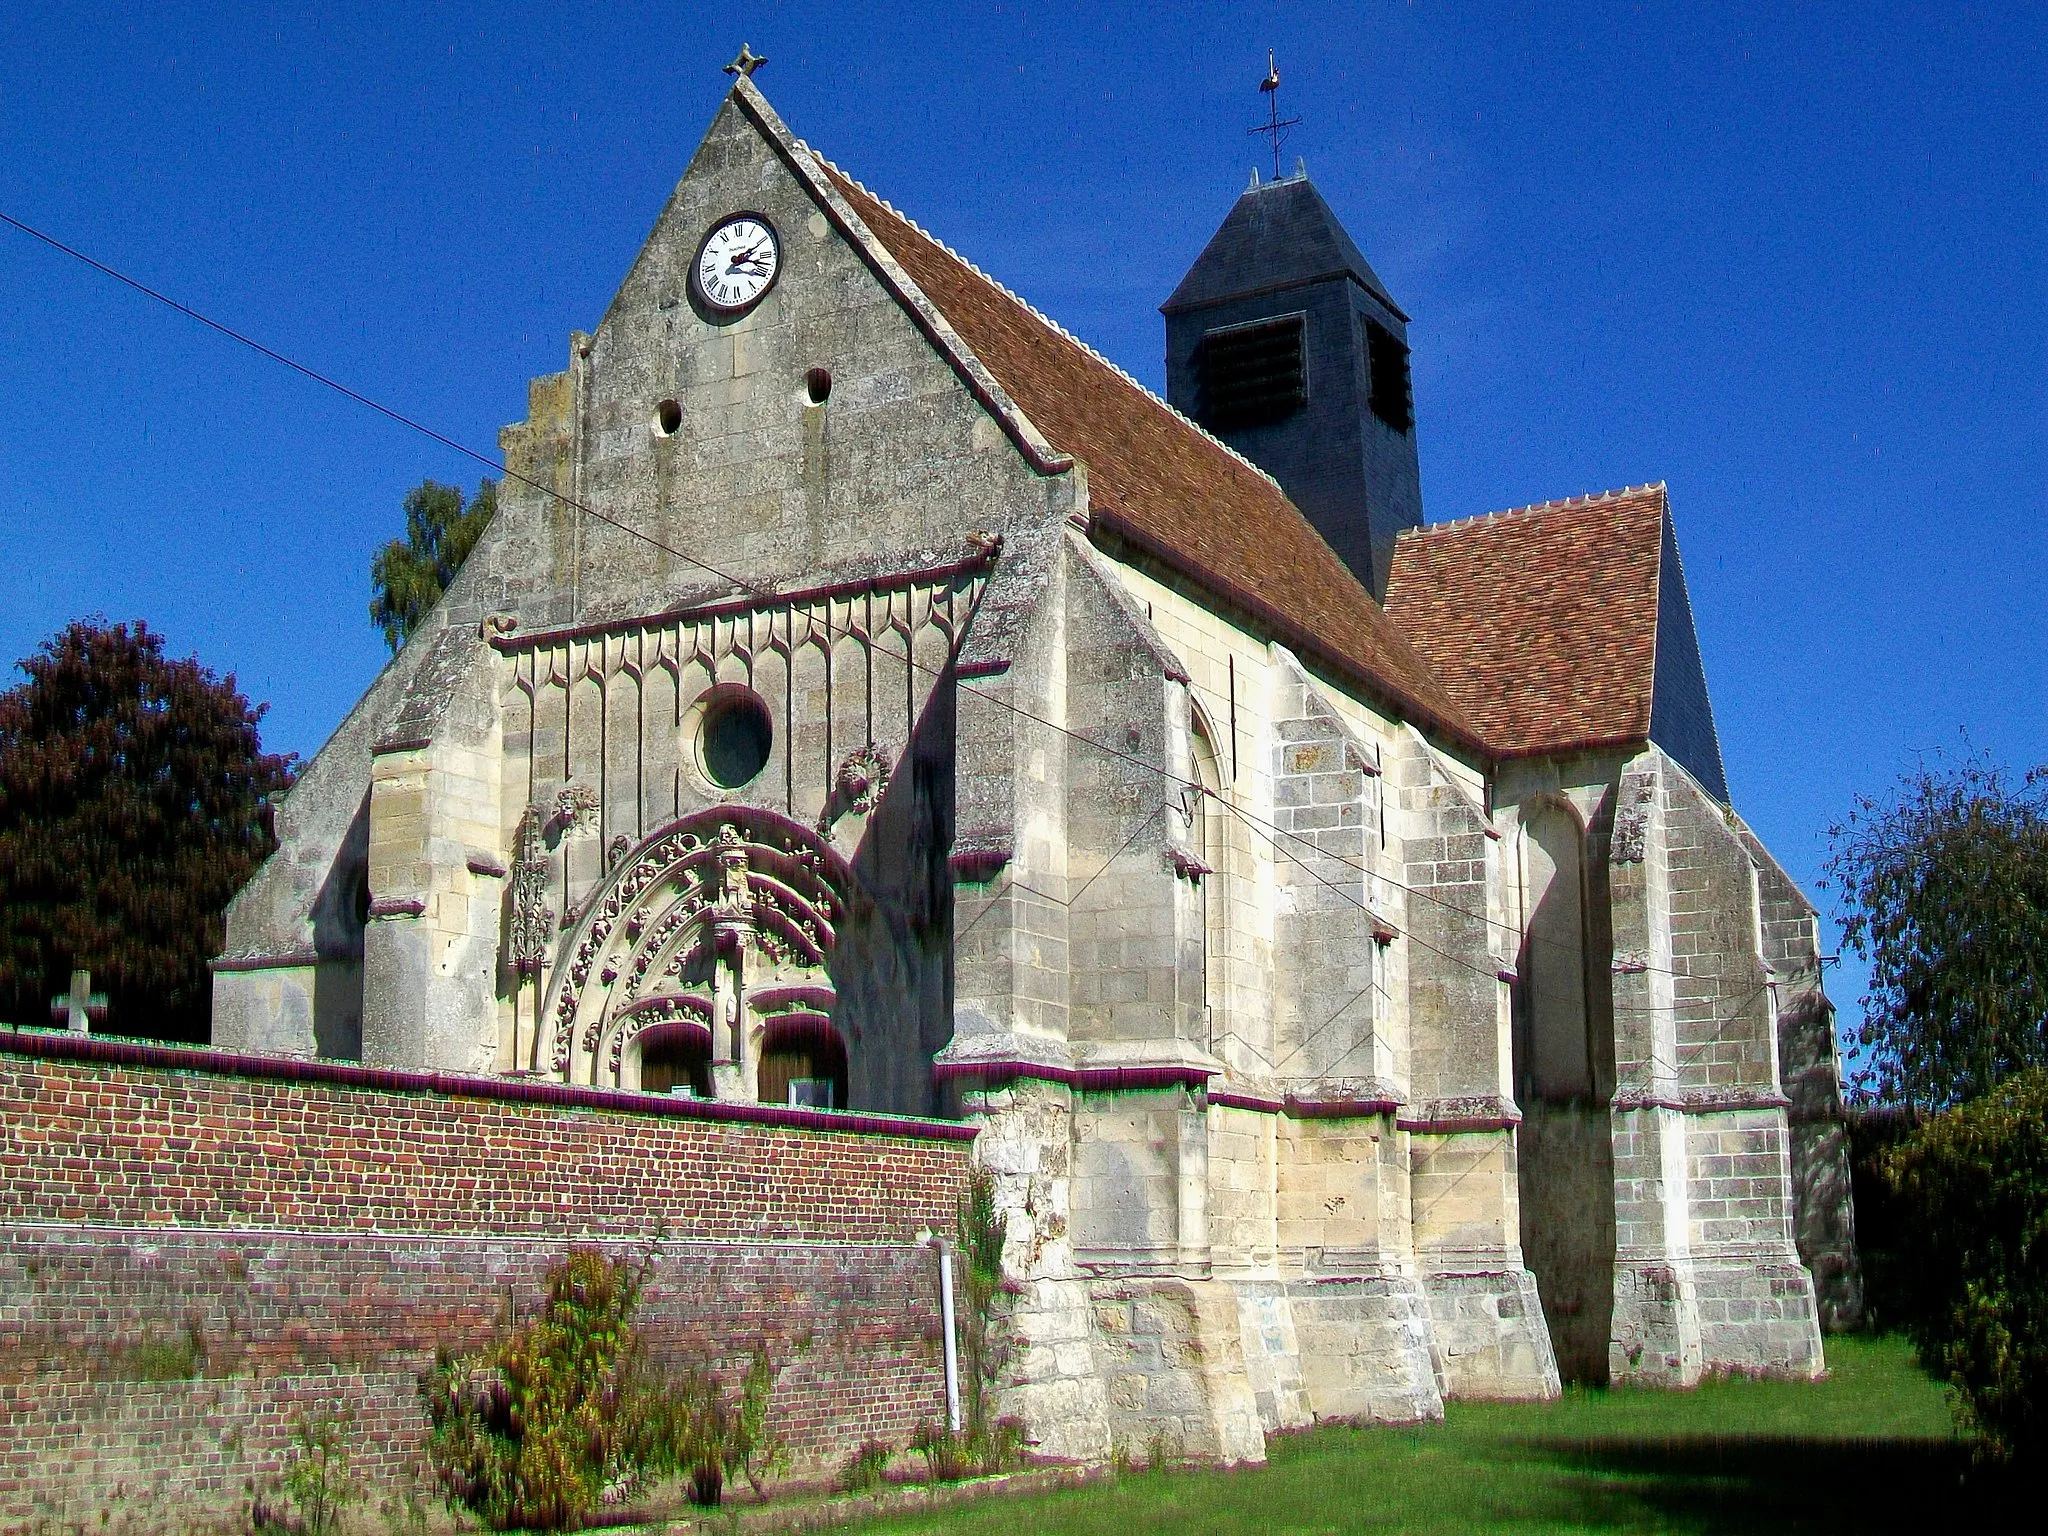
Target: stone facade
(1247, 972)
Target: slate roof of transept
(1162, 484)
(1541, 621)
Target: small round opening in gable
(818, 385)
(735, 738)
(668, 416)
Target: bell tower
(1283, 342)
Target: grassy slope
(1871, 1448)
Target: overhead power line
(497, 465)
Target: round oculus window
(735, 738)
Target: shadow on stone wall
(1566, 1167)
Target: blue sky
(1787, 259)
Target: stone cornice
(1699, 1101)
(1461, 1116)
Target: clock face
(737, 263)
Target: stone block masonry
(195, 1247)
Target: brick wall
(194, 1246)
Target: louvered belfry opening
(1392, 395)
(1252, 375)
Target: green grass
(1869, 1449)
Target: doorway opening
(803, 1062)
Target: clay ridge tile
(1162, 484)
(1542, 621)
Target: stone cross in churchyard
(80, 1008)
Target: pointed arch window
(1554, 1037)
(1207, 834)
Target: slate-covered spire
(1283, 341)
(1282, 234)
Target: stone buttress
(1706, 1272)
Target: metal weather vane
(1275, 126)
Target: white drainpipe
(945, 1252)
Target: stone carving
(533, 920)
(909, 614)
(576, 811)
(978, 858)
(637, 1019)
(677, 915)
(1632, 821)
(858, 787)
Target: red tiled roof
(1542, 622)
(1163, 485)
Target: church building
(867, 696)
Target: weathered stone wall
(1566, 1155)
(1468, 1212)
(694, 438)
(1810, 1070)
(1235, 683)
(1726, 1035)
(1707, 1275)
(1332, 1018)
(1140, 1182)
(1564, 1147)
(194, 1247)
(1135, 956)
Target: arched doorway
(676, 1059)
(803, 1062)
(702, 942)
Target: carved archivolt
(708, 926)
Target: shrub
(710, 1439)
(865, 1468)
(319, 1480)
(566, 1412)
(983, 1352)
(946, 1455)
(1972, 1185)
(318, 1484)
(1885, 1239)
(534, 1430)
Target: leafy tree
(410, 574)
(1945, 892)
(1972, 1188)
(133, 804)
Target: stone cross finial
(746, 63)
(80, 1008)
